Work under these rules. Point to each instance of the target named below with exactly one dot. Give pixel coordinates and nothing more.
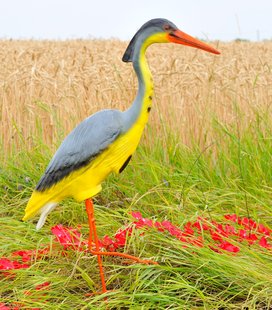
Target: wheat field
(47, 87)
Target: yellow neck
(139, 111)
(147, 82)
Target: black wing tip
(52, 177)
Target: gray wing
(82, 145)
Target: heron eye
(167, 27)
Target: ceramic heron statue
(105, 141)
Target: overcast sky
(62, 19)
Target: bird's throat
(139, 111)
(143, 101)
(146, 83)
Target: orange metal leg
(90, 212)
(93, 234)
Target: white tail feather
(44, 212)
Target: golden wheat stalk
(46, 88)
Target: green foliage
(165, 180)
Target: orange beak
(180, 37)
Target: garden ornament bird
(105, 141)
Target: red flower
(242, 233)
(25, 254)
(188, 229)
(225, 245)
(68, 237)
(7, 264)
(263, 230)
(200, 224)
(159, 226)
(221, 231)
(197, 242)
(137, 215)
(216, 236)
(230, 230)
(231, 217)
(42, 286)
(107, 243)
(252, 224)
(147, 222)
(263, 243)
(197, 225)
(172, 229)
(247, 223)
(143, 222)
(251, 238)
(121, 237)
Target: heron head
(161, 30)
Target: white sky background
(63, 19)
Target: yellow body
(86, 182)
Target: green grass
(166, 180)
